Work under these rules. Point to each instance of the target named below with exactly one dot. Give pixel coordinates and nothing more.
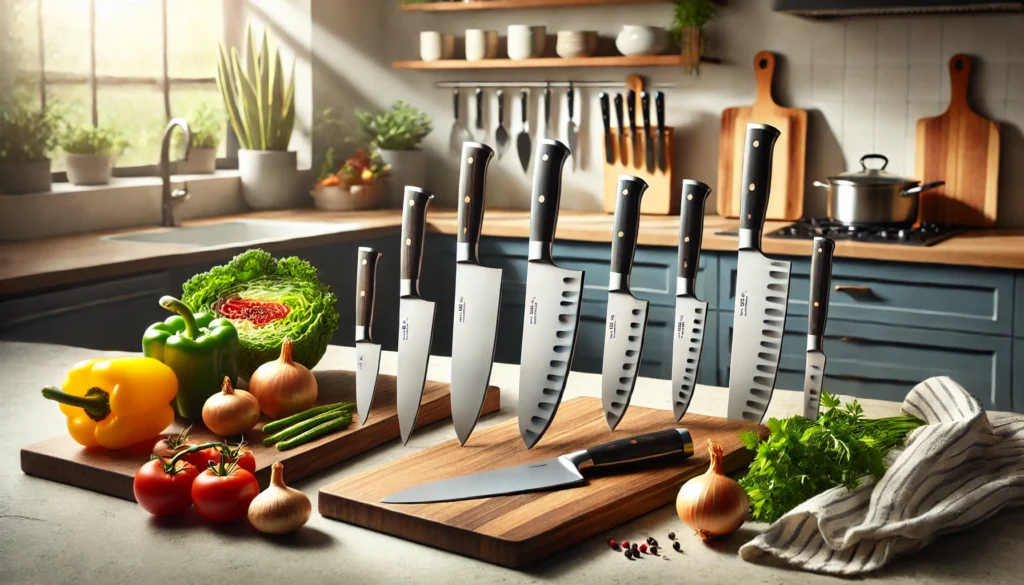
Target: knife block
(659, 198)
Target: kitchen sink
(230, 233)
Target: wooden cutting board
(787, 190)
(962, 149)
(112, 472)
(516, 530)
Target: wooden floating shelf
(514, 4)
(551, 63)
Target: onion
(231, 412)
(713, 504)
(283, 387)
(279, 509)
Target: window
(132, 64)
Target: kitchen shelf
(551, 63)
(514, 4)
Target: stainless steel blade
(477, 301)
(687, 345)
(501, 139)
(814, 374)
(762, 291)
(542, 475)
(572, 141)
(367, 367)
(415, 332)
(524, 147)
(550, 324)
(624, 332)
(455, 138)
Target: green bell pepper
(200, 349)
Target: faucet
(168, 198)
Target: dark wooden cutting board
(112, 472)
(516, 530)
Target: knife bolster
(750, 239)
(362, 333)
(466, 252)
(618, 282)
(685, 287)
(540, 251)
(408, 287)
(814, 343)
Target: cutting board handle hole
(959, 65)
(763, 63)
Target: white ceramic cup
(435, 45)
(523, 40)
(481, 44)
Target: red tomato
(202, 459)
(162, 493)
(224, 498)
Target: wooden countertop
(28, 266)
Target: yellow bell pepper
(116, 402)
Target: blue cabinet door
(1018, 308)
(1018, 375)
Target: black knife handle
(570, 102)
(618, 113)
(645, 110)
(455, 104)
(500, 95)
(659, 110)
(605, 114)
(691, 231)
(821, 284)
(366, 284)
(757, 180)
(631, 110)
(547, 195)
(547, 107)
(480, 108)
(524, 105)
(472, 183)
(648, 446)
(414, 228)
(628, 194)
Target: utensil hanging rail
(538, 84)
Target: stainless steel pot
(874, 197)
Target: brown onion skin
(713, 504)
(283, 387)
(230, 411)
(279, 509)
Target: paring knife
(553, 300)
(762, 288)
(547, 112)
(523, 140)
(620, 118)
(645, 106)
(571, 132)
(691, 314)
(501, 134)
(609, 155)
(626, 323)
(817, 306)
(659, 110)
(367, 351)
(631, 110)
(552, 474)
(480, 108)
(415, 315)
(477, 297)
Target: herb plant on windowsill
(397, 134)
(27, 137)
(207, 126)
(90, 153)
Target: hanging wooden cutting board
(962, 149)
(787, 189)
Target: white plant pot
(20, 178)
(89, 169)
(338, 198)
(270, 179)
(200, 161)
(408, 167)
(636, 39)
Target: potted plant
(356, 184)
(396, 134)
(261, 110)
(27, 137)
(90, 152)
(688, 28)
(206, 126)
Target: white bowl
(576, 43)
(526, 41)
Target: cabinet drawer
(885, 362)
(927, 297)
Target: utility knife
(817, 306)
(367, 350)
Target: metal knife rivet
(364, 261)
(465, 230)
(545, 157)
(467, 198)
(469, 160)
(689, 197)
(815, 303)
(757, 143)
(686, 239)
(625, 192)
(686, 263)
(408, 241)
(819, 249)
(750, 187)
(362, 293)
(412, 202)
(748, 216)
(541, 199)
(621, 234)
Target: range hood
(823, 9)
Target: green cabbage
(255, 275)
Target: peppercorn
(677, 546)
(654, 550)
(629, 554)
(651, 541)
(671, 535)
(643, 548)
(613, 544)
(635, 547)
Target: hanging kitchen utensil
(367, 350)
(548, 131)
(634, 156)
(659, 108)
(570, 126)
(817, 307)
(501, 134)
(480, 109)
(523, 140)
(645, 106)
(609, 153)
(457, 135)
(620, 119)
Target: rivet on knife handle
(691, 231)
(366, 283)
(626, 227)
(757, 180)
(547, 193)
(475, 158)
(414, 227)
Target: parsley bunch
(803, 458)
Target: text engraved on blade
(462, 309)
(681, 327)
(534, 309)
(744, 304)
(611, 327)
(404, 330)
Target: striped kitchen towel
(959, 469)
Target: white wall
(864, 81)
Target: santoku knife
(762, 288)
(631, 110)
(659, 110)
(645, 107)
(553, 299)
(523, 145)
(552, 474)
(367, 350)
(817, 306)
(571, 132)
(609, 156)
(415, 315)
(620, 118)
(477, 297)
(626, 323)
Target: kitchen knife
(609, 155)
(691, 314)
(626, 323)
(501, 134)
(556, 473)
(645, 107)
(415, 315)
(459, 133)
(477, 297)
(480, 108)
(523, 140)
(367, 351)
(620, 119)
(547, 112)
(553, 300)
(817, 306)
(631, 110)
(762, 288)
(570, 126)
(659, 109)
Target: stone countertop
(52, 533)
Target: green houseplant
(90, 153)
(27, 137)
(689, 18)
(261, 109)
(207, 126)
(396, 134)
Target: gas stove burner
(927, 234)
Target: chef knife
(556, 473)
(762, 288)
(367, 351)
(547, 112)
(691, 314)
(570, 126)
(523, 140)
(553, 299)
(477, 297)
(480, 109)
(501, 134)
(817, 306)
(631, 110)
(626, 323)
(609, 155)
(659, 109)
(620, 119)
(645, 107)
(415, 315)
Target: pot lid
(872, 176)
